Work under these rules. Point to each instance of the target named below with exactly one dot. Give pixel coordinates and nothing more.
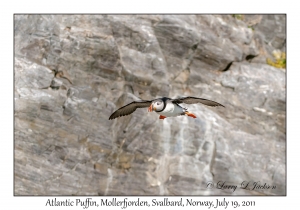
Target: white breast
(171, 110)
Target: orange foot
(162, 117)
(190, 114)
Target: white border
(153, 6)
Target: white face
(158, 105)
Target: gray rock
(73, 71)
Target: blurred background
(73, 71)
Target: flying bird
(164, 107)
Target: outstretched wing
(129, 108)
(194, 100)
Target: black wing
(194, 100)
(129, 108)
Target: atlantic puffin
(164, 107)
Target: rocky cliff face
(73, 71)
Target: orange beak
(150, 108)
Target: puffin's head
(156, 105)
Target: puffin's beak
(150, 108)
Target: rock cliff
(72, 71)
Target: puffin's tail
(190, 114)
